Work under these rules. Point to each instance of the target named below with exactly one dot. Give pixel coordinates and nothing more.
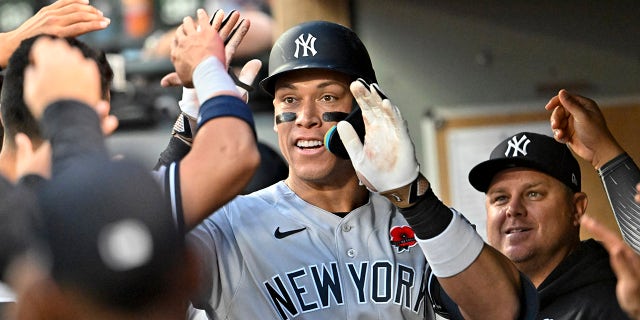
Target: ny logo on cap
(519, 146)
(309, 44)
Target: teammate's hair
(16, 116)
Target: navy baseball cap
(530, 150)
(107, 230)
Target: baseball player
(346, 238)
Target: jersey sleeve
(619, 177)
(169, 179)
(74, 131)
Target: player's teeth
(309, 144)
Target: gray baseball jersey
(271, 255)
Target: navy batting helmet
(318, 45)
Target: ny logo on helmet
(309, 44)
(516, 144)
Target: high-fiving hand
(194, 42)
(579, 122)
(387, 159)
(232, 31)
(58, 71)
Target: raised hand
(579, 122)
(625, 263)
(57, 72)
(387, 159)
(228, 31)
(63, 18)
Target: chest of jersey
(301, 262)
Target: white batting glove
(387, 160)
(247, 76)
(189, 104)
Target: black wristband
(428, 217)
(226, 106)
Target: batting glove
(189, 104)
(386, 162)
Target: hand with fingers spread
(232, 30)
(387, 160)
(578, 122)
(196, 41)
(624, 261)
(63, 18)
(59, 72)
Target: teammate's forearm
(220, 164)
(73, 128)
(619, 177)
(490, 273)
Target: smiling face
(532, 218)
(301, 98)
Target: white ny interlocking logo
(308, 44)
(515, 143)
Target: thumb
(350, 140)
(171, 80)
(250, 71)
(108, 122)
(247, 75)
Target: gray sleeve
(619, 177)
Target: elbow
(508, 310)
(252, 159)
(246, 158)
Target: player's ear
(580, 202)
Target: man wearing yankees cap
(354, 231)
(534, 204)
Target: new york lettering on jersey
(284, 258)
(368, 282)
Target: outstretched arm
(224, 154)
(63, 18)
(467, 268)
(579, 122)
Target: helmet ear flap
(318, 45)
